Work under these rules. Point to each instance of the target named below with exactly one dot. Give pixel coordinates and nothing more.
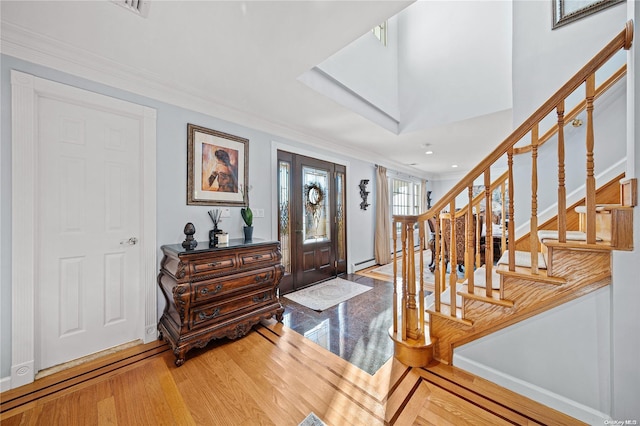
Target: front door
(312, 220)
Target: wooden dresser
(215, 292)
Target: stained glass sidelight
(284, 213)
(341, 251)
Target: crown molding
(27, 45)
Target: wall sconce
(364, 193)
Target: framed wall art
(217, 167)
(566, 11)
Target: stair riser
(577, 264)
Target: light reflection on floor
(355, 330)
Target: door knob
(130, 242)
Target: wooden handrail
(621, 40)
(606, 85)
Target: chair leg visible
(432, 247)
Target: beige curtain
(383, 218)
(423, 208)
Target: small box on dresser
(216, 292)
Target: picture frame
(217, 168)
(567, 11)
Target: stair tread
(481, 294)
(548, 234)
(445, 297)
(599, 207)
(525, 272)
(582, 245)
(523, 259)
(445, 312)
(480, 278)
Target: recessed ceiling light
(429, 152)
(454, 166)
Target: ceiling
(240, 61)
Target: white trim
(5, 384)
(25, 91)
(543, 396)
(275, 146)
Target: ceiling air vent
(139, 7)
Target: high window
(380, 31)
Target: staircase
(537, 272)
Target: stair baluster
(438, 266)
(590, 199)
(453, 259)
(488, 238)
(468, 253)
(534, 200)
(395, 276)
(562, 191)
(512, 226)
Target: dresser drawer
(257, 258)
(216, 312)
(214, 265)
(210, 289)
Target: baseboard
(543, 396)
(5, 384)
(363, 265)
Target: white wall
(567, 357)
(561, 358)
(626, 291)
(544, 59)
(370, 69)
(172, 210)
(447, 73)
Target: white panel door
(88, 208)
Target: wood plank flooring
(272, 376)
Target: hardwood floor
(272, 376)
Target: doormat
(322, 296)
(311, 420)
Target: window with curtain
(404, 197)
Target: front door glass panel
(315, 199)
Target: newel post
(411, 345)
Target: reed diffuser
(215, 215)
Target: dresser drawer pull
(262, 278)
(263, 298)
(214, 314)
(205, 290)
(258, 257)
(215, 264)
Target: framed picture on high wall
(217, 167)
(566, 11)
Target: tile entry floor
(356, 330)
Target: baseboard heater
(364, 264)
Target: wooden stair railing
(414, 339)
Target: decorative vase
(248, 233)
